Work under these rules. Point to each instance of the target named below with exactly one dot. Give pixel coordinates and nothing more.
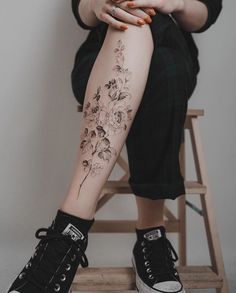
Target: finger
(142, 3)
(149, 11)
(137, 12)
(126, 17)
(113, 22)
(141, 12)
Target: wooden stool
(198, 277)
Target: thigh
(168, 41)
(171, 79)
(134, 38)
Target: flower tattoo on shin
(106, 118)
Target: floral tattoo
(106, 118)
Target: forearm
(86, 13)
(193, 15)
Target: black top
(214, 8)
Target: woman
(134, 75)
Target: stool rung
(123, 187)
(202, 277)
(126, 226)
(123, 278)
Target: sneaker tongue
(73, 232)
(152, 233)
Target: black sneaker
(153, 262)
(56, 258)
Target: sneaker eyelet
(68, 267)
(28, 265)
(151, 276)
(57, 288)
(146, 263)
(21, 275)
(73, 258)
(144, 249)
(145, 256)
(142, 243)
(63, 277)
(148, 270)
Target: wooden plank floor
(123, 278)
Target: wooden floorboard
(123, 278)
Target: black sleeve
(214, 8)
(74, 6)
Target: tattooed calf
(106, 118)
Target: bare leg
(113, 94)
(150, 212)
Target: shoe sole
(11, 291)
(14, 291)
(142, 287)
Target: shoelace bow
(49, 265)
(161, 255)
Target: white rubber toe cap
(168, 286)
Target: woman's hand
(123, 14)
(164, 6)
(149, 11)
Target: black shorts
(155, 136)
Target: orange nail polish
(123, 27)
(130, 4)
(148, 19)
(152, 12)
(141, 21)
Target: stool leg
(105, 197)
(207, 206)
(182, 212)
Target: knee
(176, 71)
(138, 35)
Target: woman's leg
(150, 212)
(154, 166)
(113, 94)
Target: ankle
(149, 224)
(81, 214)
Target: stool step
(123, 187)
(123, 278)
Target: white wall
(39, 129)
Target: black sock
(64, 220)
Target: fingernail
(152, 12)
(148, 19)
(141, 21)
(123, 27)
(130, 4)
